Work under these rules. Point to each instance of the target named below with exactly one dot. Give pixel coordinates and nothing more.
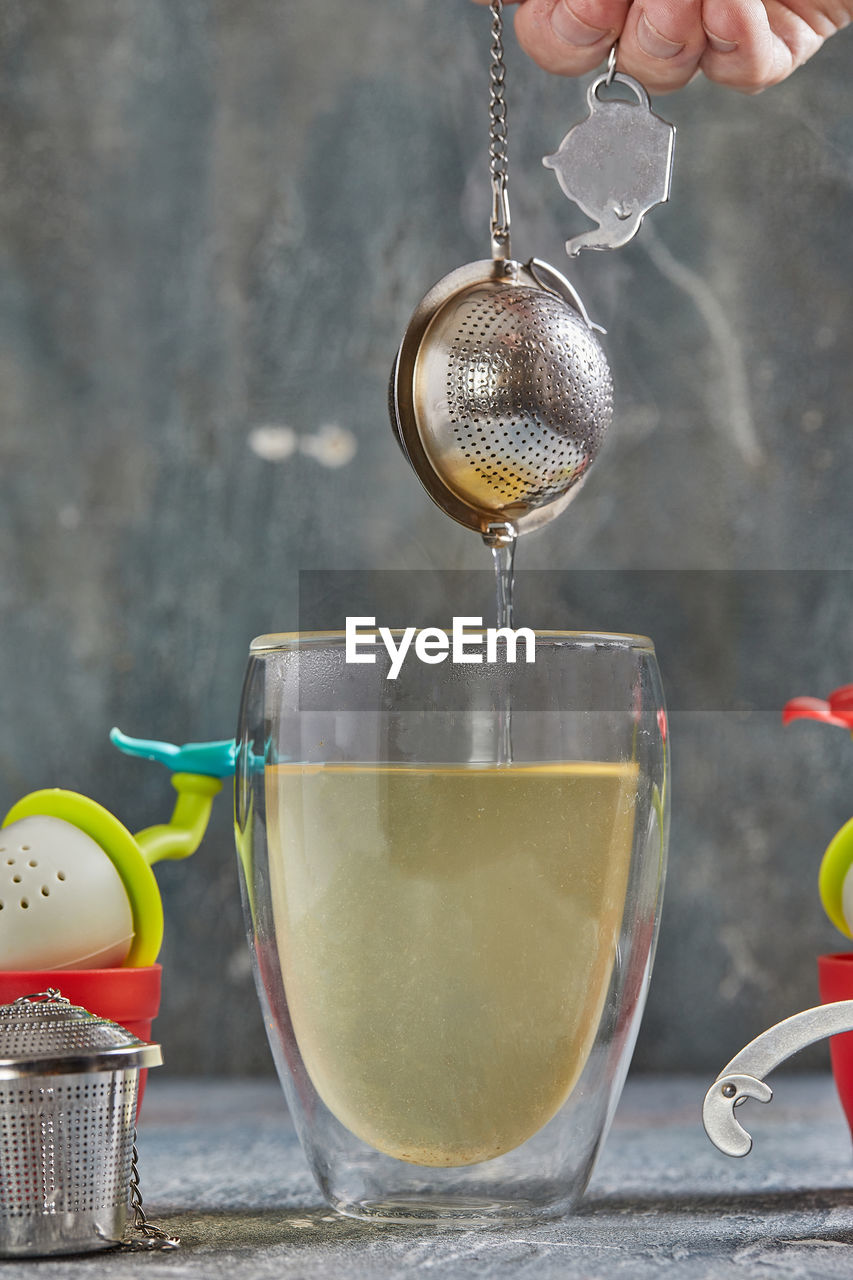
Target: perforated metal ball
(513, 396)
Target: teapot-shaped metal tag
(616, 164)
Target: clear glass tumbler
(452, 885)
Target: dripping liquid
(503, 555)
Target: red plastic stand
(130, 997)
(835, 982)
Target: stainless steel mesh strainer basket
(68, 1091)
(501, 394)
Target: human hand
(745, 44)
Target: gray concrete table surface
(220, 1166)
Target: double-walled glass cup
(452, 884)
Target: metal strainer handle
(743, 1077)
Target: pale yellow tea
(447, 936)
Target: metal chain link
(51, 995)
(498, 136)
(611, 64)
(144, 1235)
(497, 101)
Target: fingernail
(569, 27)
(719, 45)
(653, 43)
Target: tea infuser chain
(144, 1234)
(498, 139)
(52, 995)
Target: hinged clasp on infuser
(499, 533)
(500, 220)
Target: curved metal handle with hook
(742, 1078)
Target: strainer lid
(45, 1034)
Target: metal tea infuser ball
(501, 393)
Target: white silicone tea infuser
(77, 890)
(62, 899)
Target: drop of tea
(501, 540)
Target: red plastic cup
(130, 997)
(835, 982)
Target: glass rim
(289, 641)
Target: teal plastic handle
(210, 759)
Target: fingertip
(743, 51)
(728, 24)
(562, 37)
(662, 43)
(747, 75)
(678, 21)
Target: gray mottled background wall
(215, 219)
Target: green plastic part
(122, 850)
(836, 863)
(182, 835)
